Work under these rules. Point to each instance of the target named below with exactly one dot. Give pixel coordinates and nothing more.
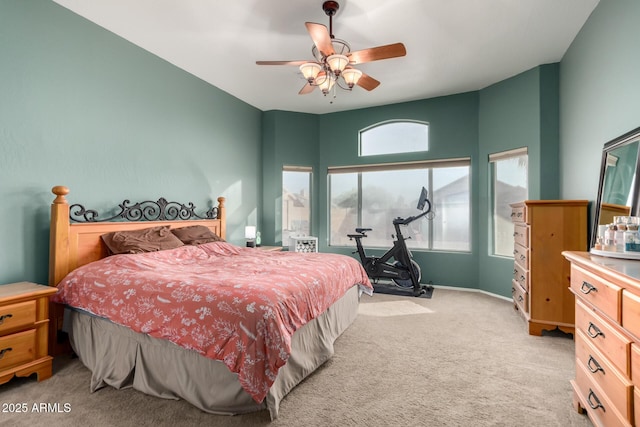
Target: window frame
(363, 131)
(429, 165)
(294, 168)
(493, 158)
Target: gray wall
(84, 108)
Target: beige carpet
(457, 359)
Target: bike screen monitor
(422, 200)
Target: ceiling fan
(334, 60)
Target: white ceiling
(453, 46)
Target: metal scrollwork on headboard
(143, 211)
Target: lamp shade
(351, 76)
(250, 232)
(325, 82)
(310, 70)
(337, 63)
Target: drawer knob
(593, 365)
(591, 398)
(4, 350)
(587, 288)
(593, 331)
(5, 316)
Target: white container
(303, 244)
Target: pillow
(196, 235)
(138, 241)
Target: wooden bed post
(58, 265)
(222, 214)
(59, 236)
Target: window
(296, 202)
(371, 196)
(509, 184)
(394, 137)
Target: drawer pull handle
(520, 298)
(5, 316)
(593, 362)
(592, 328)
(597, 404)
(587, 288)
(4, 350)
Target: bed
(227, 328)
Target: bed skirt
(121, 358)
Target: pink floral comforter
(234, 304)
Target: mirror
(619, 189)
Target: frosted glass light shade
(325, 82)
(310, 70)
(351, 76)
(337, 63)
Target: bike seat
(351, 236)
(363, 230)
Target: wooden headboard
(73, 244)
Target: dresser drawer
(521, 234)
(519, 213)
(17, 316)
(520, 297)
(603, 295)
(631, 312)
(596, 402)
(635, 364)
(521, 276)
(636, 404)
(521, 255)
(604, 336)
(616, 386)
(17, 349)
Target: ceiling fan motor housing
(330, 7)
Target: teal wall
(599, 93)
(517, 112)
(84, 108)
(289, 139)
(453, 132)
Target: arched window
(393, 137)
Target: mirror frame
(620, 141)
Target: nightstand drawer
(17, 349)
(17, 316)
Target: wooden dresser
(607, 382)
(24, 323)
(540, 285)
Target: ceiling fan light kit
(333, 65)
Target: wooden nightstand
(24, 330)
(269, 248)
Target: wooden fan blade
(308, 88)
(367, 82)
(298, 63)
(377, 53)
(321, 38)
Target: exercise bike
(397, 263)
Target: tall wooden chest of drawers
(24, 323)
(540, 285)
(607, 381)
